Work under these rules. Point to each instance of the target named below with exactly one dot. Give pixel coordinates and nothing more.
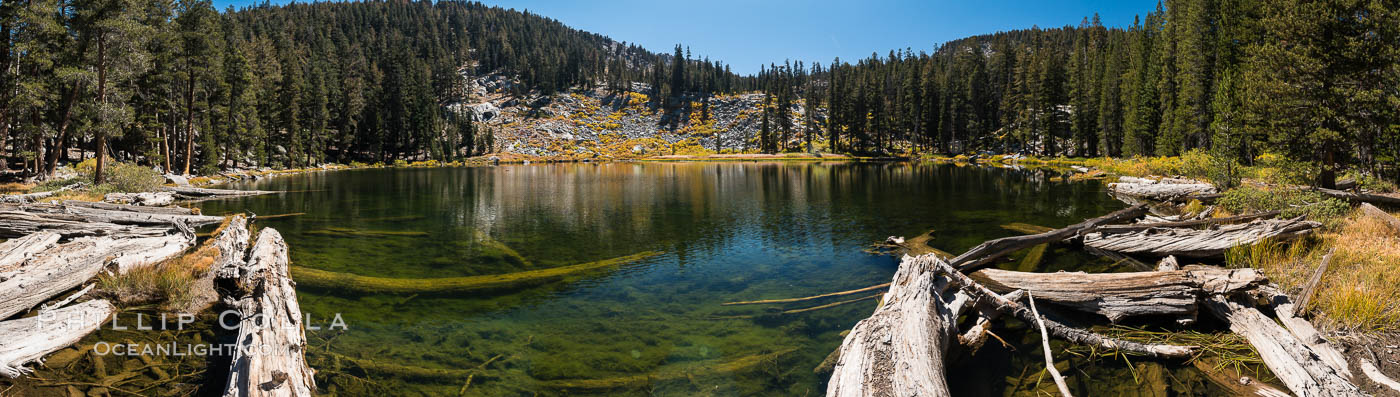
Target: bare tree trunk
(189, 125)
(100, 131)
(56, 149)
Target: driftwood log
(195, 192)
(130, 208)
(1390, 220)
(144, 199)
(16, 251)
(898, 351)
(225, 250)
(269, 359)
(1191, 223)
(990, 250)
(1390, 201)
(1161, 191)
(1122, 295)
(17, 224)
(1198, 243)
(129, 254)
(1293, 361)
(28, 339)
(356, 284)
(25, 198)
(58, 269)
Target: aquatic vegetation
(350, 283)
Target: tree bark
(50, 273)
(1296, 364)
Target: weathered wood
(26, 198)
(141, 218)
(1066, 332)
(129, 254)
(155, 199)
(195, 192)
(1045, 346)
(53, 271)
(1372, 211)
(899, 350)
(1168, 264)
(224, 251)
(1190, 223)
(1391, 201)
(1161, 191)
(976, 335)
(990, 250)
(13, 252)
(1198, 243)
(269, 359)
(148, 209)
(1369, 369)
(1122, 295)
(29, 339)
(1295, 363)
(17, 224)
(1305, 296)
(1234, 382)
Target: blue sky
(747, 34)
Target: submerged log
(677, 372)
(350, 283)
(1161, 191)
(1293, 361)
(29, 339)
(1122, 295)
(808, 298)
(990, 250)
(53, 271)
(898, 351)
(269, 359)
(1198, 243)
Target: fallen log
(141, 218)
(154, 199)
(1198, 243)
(1236, 384)
(26, 198)
(1066, 332)
(195, 192)
(1045, 346)
(899, 350)
(808, 298)
(350, 283)
(30, 339)
(17, 224)
(53, 271)
(1122, 295)
(1161, 191)
(1372, 211)
(130, 208)
(129, 254)
(269, 359)
(990, 250)
(1305, 296)
(1391, 201)
(223, 251)
(1191, 223)
(1293, 361)
(13, 252)
(677, 372)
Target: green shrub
(1291, 202)
(1369, 181)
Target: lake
(726, 232)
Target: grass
(168, 284)
(1363, 275)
